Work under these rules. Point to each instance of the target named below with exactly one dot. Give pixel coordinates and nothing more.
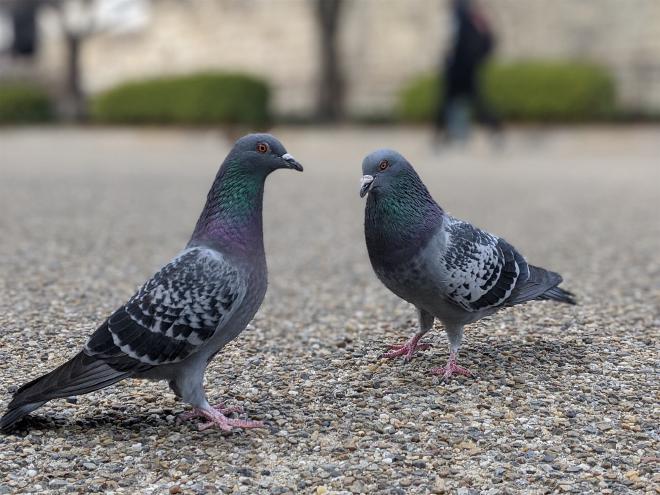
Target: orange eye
(262, 147)
(383, 165)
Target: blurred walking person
(471, 46)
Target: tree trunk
(75, 97)
(331, 87)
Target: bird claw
(218, 407)
(406, 349)
(227, 410)
(226, 424)
(450, 369)
(421, 347)
(216, 417)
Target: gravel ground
(566, 398)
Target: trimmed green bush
(20, 103)
(419, 99)
(203, 98)
(531, 91)
(559, 91)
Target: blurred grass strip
(202, 98)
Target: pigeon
(187, 312)
(447, 268)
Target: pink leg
(218, 407)
(407, 349)
(216, 417)
(451, 369)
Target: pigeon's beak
(291, 162)
(365, 184)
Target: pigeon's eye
(383, 165)
(262, 147)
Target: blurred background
(263, 61)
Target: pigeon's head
(382, 170)
(261, 154)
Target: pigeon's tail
(80, 375)
(558, 294)
(542, 284)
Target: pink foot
(216, 417)
(218, 407)
(451, 369)
(407, 349)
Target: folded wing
(482, 270)
(172, 315)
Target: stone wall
(382, 42)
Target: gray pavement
(566, 398)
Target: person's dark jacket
(472, 45)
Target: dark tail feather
(80, 375)
(16, 414)
(558, 294)
(542, 284)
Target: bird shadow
(542, 351)
(118, 423)
(491, 356)
(110, 420)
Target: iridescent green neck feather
(400, 218)
(232, 215)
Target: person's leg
(483, 111)
(445, 97)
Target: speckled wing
(481, 269)
(172, 315)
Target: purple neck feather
(232, 217)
